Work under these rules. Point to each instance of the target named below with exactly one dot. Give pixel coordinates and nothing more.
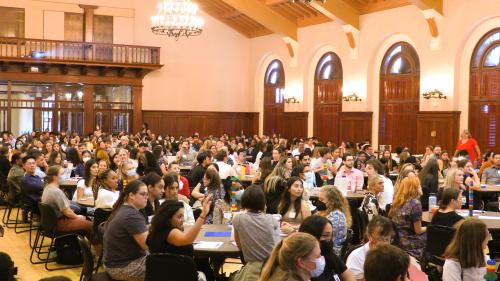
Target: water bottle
(432, 200)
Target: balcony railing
(68, 51)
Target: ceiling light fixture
(176, 18)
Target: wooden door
(274, 106)
(484, 92)
(399, 97)
(327, 98)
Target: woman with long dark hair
(292, 208)
(125, 247)
(168, 234)
(73, 156)
(86, 186)
(429, 179)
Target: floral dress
(218, 198)
(339, 223)
(404, 218)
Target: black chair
(185, 269)
(88, 264)
(48, 225)
(359, 223)
(100, 236)
(100, 216)
(438, 238)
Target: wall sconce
(352, 97)
(292, 100)
(67, 96)
(436, 94)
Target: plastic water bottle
(432, 200)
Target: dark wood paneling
(355, 126)
(295, 124)
(327, 108)
(73, 27)
(438, 127)
(206, 123)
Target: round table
(228, 249)
(491, 219)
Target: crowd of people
(139, 179)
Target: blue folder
(218, 234)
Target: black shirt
(446, 219)
(4, 167)
(196, 175)
(333, 264)
(149, 210)
(429, 185)
(157, 242)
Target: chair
(156, 264)
(100, 216)
(438, 238)
(48, 225)
(88, 264)
(359, 223)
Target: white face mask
(131, 173)
(320, 267)
(85, 159)
(62, 178)
(181, 184)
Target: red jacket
(185, 186)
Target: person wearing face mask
(333, 206)
(333, 267)
(295, 258)
(128, 174)
(67, 220)
(308, 180)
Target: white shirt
(225, 170)
(452, 271)
(356, 262)
(387, 195)
(87, 191)
(106, 198)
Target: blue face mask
(309, 177)
(320, 267)
(62, 178)
(130, 173)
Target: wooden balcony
(40, 52)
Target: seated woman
(370, 205)
(295, 258)
(274, 186)
(172, 193)
(67, 220)
(73, 156)
(125, 248)
(335, 269)
(451, 200)
(389, 163)
(156, 188)
(255, 233)
(211, 185)
(465, 257)
(55, 158)
(102, 165)
(85, 187)
(335, 208)
(106, 195)
(168, 235)
(292, 208)
(406, 213)
(128, 173)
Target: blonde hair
(407, 190)
(286, 253)
(449, 181)
(272, 182)
(336, 201)
(373, 180)
(403, 174)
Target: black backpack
(68, 250)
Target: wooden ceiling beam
(339, 10)
(207, 9)
(274, 2)
(436, 5)
(264, 15)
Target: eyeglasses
(143, 194)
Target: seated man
(14, 177)
(31, 186)
(386, 263)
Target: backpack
(68, 250)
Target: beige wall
(222, 70)
(443, 65)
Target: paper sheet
(488, 218)
(207, 245)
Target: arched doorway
(399, 96)
(484, 92)
(274, 84)
(327, 98)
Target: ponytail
(272, 262)
(132, 187)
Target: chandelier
(306, 1)
(176, 18)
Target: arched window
(328, 98)
(399, 96)
(484, 91)
(274, 85)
